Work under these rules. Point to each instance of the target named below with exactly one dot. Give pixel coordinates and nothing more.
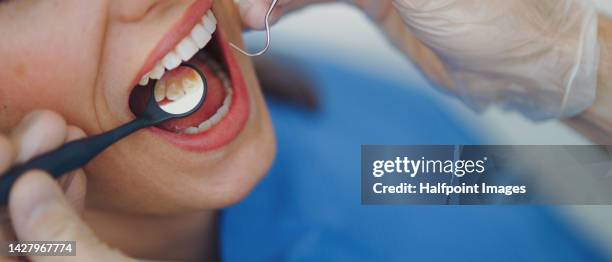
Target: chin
(209, 160)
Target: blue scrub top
(308, 207)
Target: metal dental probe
(268, 34)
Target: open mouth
(195, 41)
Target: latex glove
(538, 57)
(253, 12)
(38, 209)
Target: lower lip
(231, 125)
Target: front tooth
(200, 36)
(158, 71)
(191, 130)
(209, 25)
(186, 49)
(144, 80)
(204, 126)
(174, 92)
(215, 118)
(171, 61)
(160, 91)
(211, 17)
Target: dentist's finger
(74, 133)
(39, 132)
(253, 12)
(39, 210)
(76, 189)
(75, 183)
(7, 153)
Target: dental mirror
(177, 95)
(189, 90)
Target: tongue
(214, 100)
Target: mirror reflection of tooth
(174, 92)
(160, 91)
(176, 100)
(190, 85)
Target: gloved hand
(37, 208)
(253, 12)
(538, 57)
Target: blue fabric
(308, 207)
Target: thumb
(40, 212)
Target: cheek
(31, 83)
(54, 68)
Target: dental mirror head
(177, 95)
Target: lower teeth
(227, 102)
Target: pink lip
(234, 122)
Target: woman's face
(83, 59)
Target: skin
(81, 66)
(87, 84)
(98, 68)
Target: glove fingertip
(39, 132)
(31, 191)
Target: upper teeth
(200, 35)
